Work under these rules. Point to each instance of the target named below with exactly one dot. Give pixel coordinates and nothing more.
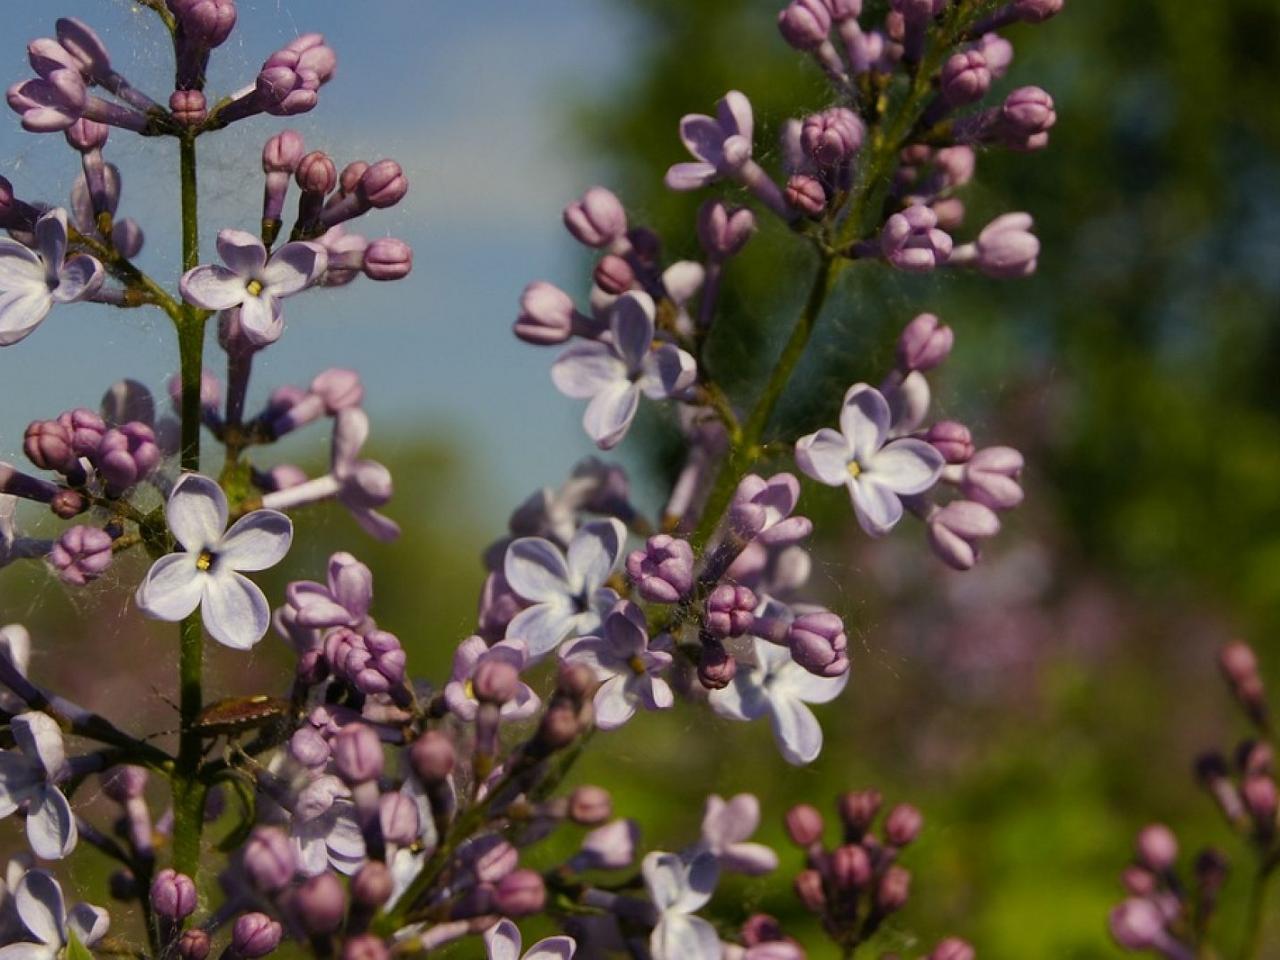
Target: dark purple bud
(902, 825)
(716, 666)
(255, 935)
(1157, 848)
(894, 889)
(173, 895)
(730, 610)
(47, 444)
(858, 810)
(1211, 771)
(956, 530)
(614, 275)
(818, 643)
(1037, 11)
(663, 570)
(806, 194)
(723, 231)
(365, 947)
(760, 928)
(127, 454)
(850, 867)
(372, 885)
(804, 24)
(598, 219)
(831, 137)
(590, 806)
(387, 259)
(1211, 869)
(86, 429)
(991, 478)
(432, 757)
(68, 504)
(81, 554)
(520, 893)
(912, 241)
(383, 184)
(283, 152)
(124, 783)
(189, 107)
(965, 78)
(86, 135)
(357, 754)
(269, 859)
(321, 904)
(193, 944)
(316, 173)
(1137, 924)
(804, 825)
(953, 948)
(205, 23)
(809, 888)
(546, 315)
(951, 439)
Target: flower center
(855, 469)
(204, 562)
(470, 690)
(637, 665)
(254, 287)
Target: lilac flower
(254, 283)
(725, 829)
(762, 509)
(1006, 247)
(677, 890)
(29, 777)
(956, 529)
(613, 374)
(626, 665)
(41, 907)
(720, 144)
(206, 573)
(324, 829)
(778, 687)
(459, 694)
(565, 588)
(611, 847)
(31, 283)
(877, 473)
(343, 602)
(502, 942)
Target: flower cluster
(377, 813)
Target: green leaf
(75, 949)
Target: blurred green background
(1043, 707)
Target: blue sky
(473, 99)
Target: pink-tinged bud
(1157, 848)
(614, 275)
(86, 135)
(590, 806)
(357, 754)
(598, 219)
(1260, 799)
(818, 643)
(804, 825)
(998, 52)
(432, 757)
(1138, 881)
(1239, 663)
(67, 504)
(127, 454)
(194, 944)
(388, 259)
(956, 530)
(255, 935)
(189, 107)
(894, 889)
(81, 554)
(724, 231)
(310, 53)
(716, 665)
(730, 610)
(1255, 757)
(520, 893)
(663, 570)
(951, 439)
(495, 681)
(173, 895)
(559, 727)
(576, 681)
(858, 810)
(372, 885)
(321, 904)
(383, 184)
(950, 213)
(365, 947)
(316, 173)
(805, 193)
(47, 444)
(269, 859)
(965, 78)
(805, 24)
(349, 179)
(124, 783)
(850, 867)
(1137, 924)
(991, 478)
(842, 10)
(205, 23)
(953, 948)
(86, 429)
(338, 389)
(1037, 11)
(546, 315)
(1006, 248)
(283, 152)
(760, 928)
(809, 888)
(1026, 114)
(924, 344)
(831, 137)
(955, 165)
(912, 242)
(399, 818)
(902, 825)
(47, 55)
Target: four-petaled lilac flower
(722, 144)
(207, 573)
(343, 602)
(778, 687)
(254, 283)
(612, 374)
(857, 456)
(726, 825)
(42, 910)
(502, 942)
(31, 283)
(565, 590)
(29, 777)
(626, 665)
(324, 829)
(458, 692)
(679, 889)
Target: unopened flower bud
(663, 570)
(193, 944)
(372, 885)
(189, 107)
(269, 859)
(1238, 662)
(47, 444)
(1026, 117)
(730, 610)
(831, 137)
(804, 825)
(924, 343)
(991, 478)
(383, 184)
(387, 259)
(716, 665)
(912, 241)
(124, 782)
(858, 810)
(1037, 11)
(951, 439)
(1157, 848)
(576, 680)
(590, 806)
(432, 757)
(614, 275)
(86, 429)
(173, 895)
(1007, 249)
(598, 219)
(806, 194)
(818, 643)
(965, 78)
(1259, 792)
(365, 947)
(724, 231)
(805, 24)
(495, 681)
(357, 753)
(86, 135)
(520, 893)
(126, 455)
(81, 554)
(546, 315)
(894, 889)
(316, 173)
(850, 867)
(67, 504)
(338, 388)
(283, 152)
(255, 935)
(399, 819)
(902, 824)
(809, 888)
(953, 948)
(1137, 924)
(321, 904)
(559, 726)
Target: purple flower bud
(321, 904)
(953, 948)
(283, 92)
(398, 817)
(308, 53)
(924, 343)
(205, 23)
(50, 104)
(589, 805)
(365, 947)
(1239, 664)
(902, 825)
(1037, 11)
(1260, 799)
(730, 610)
(127, 237)
(309, 747)
(954, 532)
(991, 478)
(388, 259)
(255, 935)
(1026, 118)
(998, 52)
(818, 643)
(124, 783)
(724, 231)
(804, 825)
(716, 666)
(955, 165)
(86, 429)
(810, 891)
(173, 895)
(495, 681)
(47, 444)
(546, 315)
(338, 388)
(372, 885)
(965, 78)
(383, 184)
(858, 810)
(804, 24)
(614, 275)
(1006, 248)
(47, 55)
(87, 135)
(598, 219)
(283, 152)
(357, 754)
(67, 504)
(952, 440)
(912, 242)
(806, 194)
(850, 867)
(372, 663)
(1157, 847)
(127, 454)
(194, 944)
(831, 137)
(663, 570)
(81, 554)
(189, 107)
(269, 859)
(520, 893)
(316, 173)
(894, 889)
(1137, 924)
(432, 757)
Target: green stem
(1252, 942)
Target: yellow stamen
(254, 287)
(636, 665)
(204, 561)
(855, 469)
(470, 690)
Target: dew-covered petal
(536, 570)
(197, 512)
(41, 907)
(824, 456)
(586, 369)
(257, 541)
(864, 420)
(594, 553)
(906, 466)
(242, 252)
(236, 612)
(172, 588)
(213, 287)
(795, 729)
(877, 507)
(294, 267)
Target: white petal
(877, 507)
(542, 626)
(20, 268)
(172, 588)
(906, 466)
(586, 369)
(261, 318)
(40, 739)
(40, 905)
(51, 237)
(350, 433)
(824, 456)
(552, 948)
(678, 937)
(796, 682)
(242, 252)
(213, 288)
(294, 267)
(236, 613)
(89, 923)
(536, 570)
(796, 730)
(609, 414)
(51, 826)
(28, 951)
(864, 420)
(16, 642)
(594, 553)
(613, 705)
(256, 541)
(197, 512)
(664, 875)
(21, 311)
(502, 941)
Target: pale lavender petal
(350, 431)
(466, 656)
(668, 370)
(51, 826)
(21, 311)
(28, 951)
(664, 875)
(294, 267)
(377, 525)
(752, 859)
(654, 693)
(594, 553)
(236, 612)
(89, 923)
(257, 541)
(625, 637)
(906, 466)
(40, 739)
(594, 654)
(796, 730)
(41, 907)
(502, 941)
(678, 937)
(609, 414)
(735, 115)
(351, 583)
(552, 948)
(586, 369)
(523, 705)
(800, 684)
(197, 512)
(536, 570)
(172, 588)
(613, 706)
(261, 318)
(632, 326)
(877, 507)
(20, 267)
(213, 287)
(689, 176)
(824, 456)
(703, 137)
(242, 252)
(864, 420)
(79, 277)
(51, 238)
(542, 625)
